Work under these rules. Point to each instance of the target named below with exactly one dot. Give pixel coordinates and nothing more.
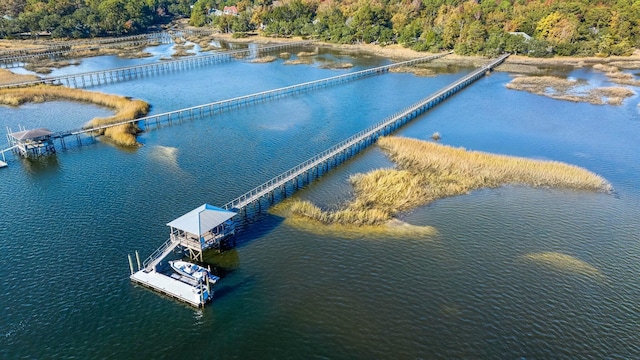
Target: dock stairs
(157, 256)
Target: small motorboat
(193, 271)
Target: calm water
(69, 222)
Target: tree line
(489, 27)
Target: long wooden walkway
(220, 106)
(94, 78)
(322, 162)
(17, 58)
(351, 146)
(195, 112)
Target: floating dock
(175, 286)
(204, 227)
(3, 164)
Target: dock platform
(177, 287)
(3, 164)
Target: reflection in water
(42, 165)
(166, 155)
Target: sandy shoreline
(515, 63)
(398, 52)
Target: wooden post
(138, 260)
(130, 264)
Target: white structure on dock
(32, 143)
(175, 286)
(200, 229)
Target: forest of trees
(489, 27)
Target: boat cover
(202, 219)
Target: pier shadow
(41, 166)
(259, 224)
(221, 291)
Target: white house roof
(201, 219)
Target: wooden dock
(322, 162)
(110, 76)
(174, 286)
(17, 58)
(191, 113)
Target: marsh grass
(428, 171)
(307, 53)
(125, 108)
(182, 50)
(615, 75)
(415, 70)
(570, 90)
(46, 66)
(264, 59)
(299, 61)
(336, 65)
(8, 77)
(203, 41)
(395, 228)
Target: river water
(471, 291)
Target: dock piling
(138, 260)
(130, 264)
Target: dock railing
(128, 72)
(159, 254)
(373, 131)
(209, 108)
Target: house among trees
(520, 33)
(230, 10)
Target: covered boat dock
(205, 227)
(32, 143)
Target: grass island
(427, 171)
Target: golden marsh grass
(307, 53)
(300, 61)
(336, 65)
(415, 70)
(615, 75)
(46, 66)
(125, 108)
(428, 171)
(568, 89)
(395, 228)
(264, 59)
(8, 77)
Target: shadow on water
(255, 226)
(221, 263)
(225, 290)
(45, 165)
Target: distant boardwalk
(220, 106)
(17, 58)
(109, 76)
